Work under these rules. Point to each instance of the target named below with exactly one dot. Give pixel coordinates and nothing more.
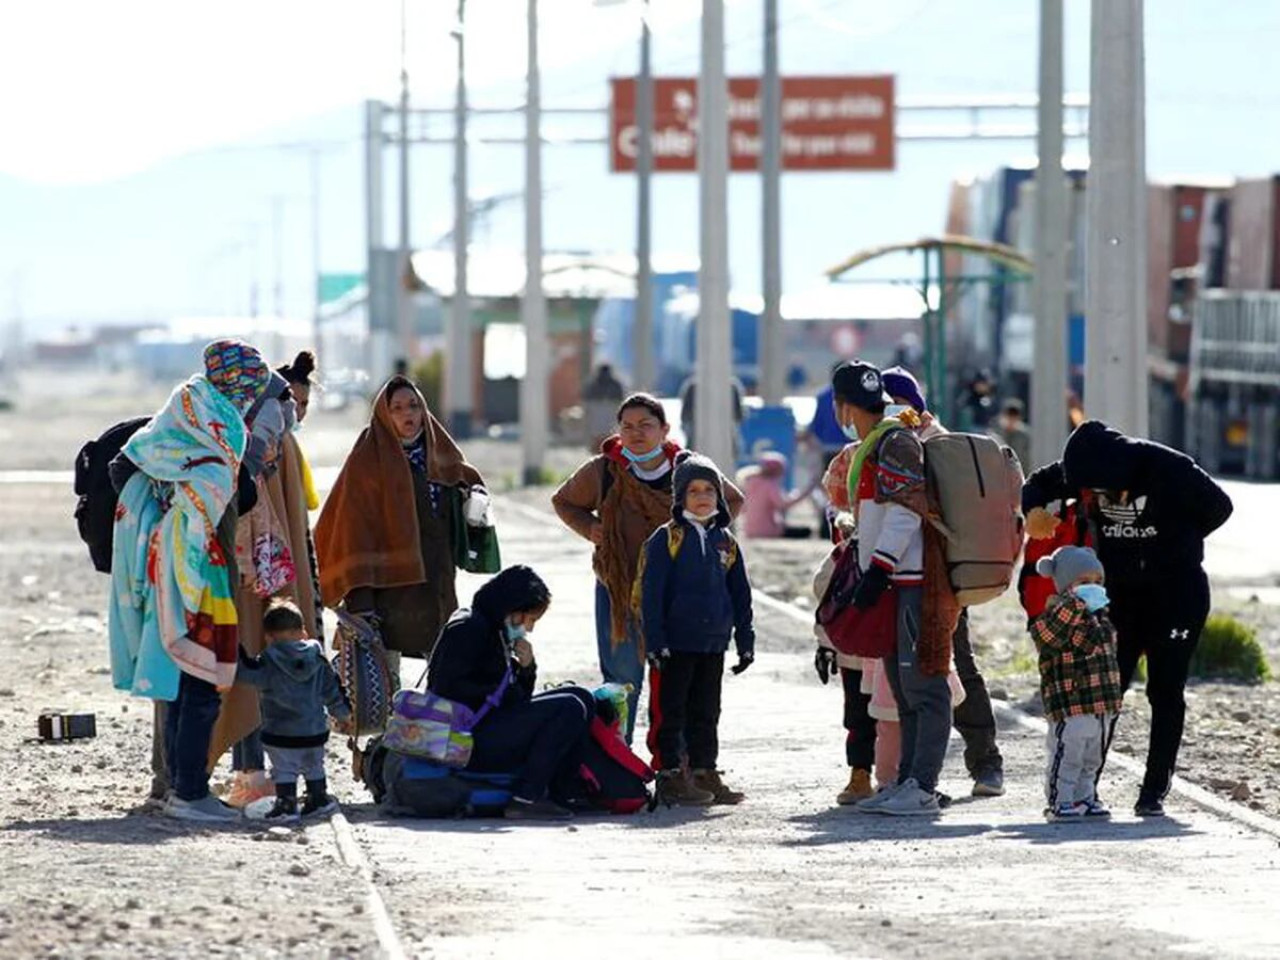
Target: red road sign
(828, 123)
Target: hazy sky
(142, 154)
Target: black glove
(744, 660)
(873, 583)
(657, 658)
(824, 662)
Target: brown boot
(859, 788)
(676, 789)
(709, 780)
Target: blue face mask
(1094, 596)
(515, 631)
(894, 409)
(640, 457)
(850, 430)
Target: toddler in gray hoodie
(295, 684)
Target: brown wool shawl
(367, 535)
(616, 565)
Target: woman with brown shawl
(384, 538)
(616, 500)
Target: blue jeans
(622, 664)
(247, 755)
(189, 724)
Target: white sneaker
(910, 801)
(883, 796)
(208, 809)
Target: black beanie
(692, 466)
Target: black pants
(860, 738)
(684, 711)
(1163, 621)
(541, 739)
(974, 718)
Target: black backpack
(96, 508)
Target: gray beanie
(1067, 565)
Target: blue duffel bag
(408, 786)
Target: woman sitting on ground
(483, 657)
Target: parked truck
(1233, 387)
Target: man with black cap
(887, 487)
(1149, 510)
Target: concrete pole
(404, 296)
(277, 256)
(714, 420)
(1049, 378)
(378, 358)
(314, 169)
(458, 381)
(1116, 209)
(534, 404)
(642, 330)
(773, 359)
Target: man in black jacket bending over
(1149, 509)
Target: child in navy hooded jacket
(693, 596)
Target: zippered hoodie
(693, 590)
(295, 684)
(1158, 531)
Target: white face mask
(894, 409)
(705, 518)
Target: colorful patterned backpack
(432, 727)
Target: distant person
(1079, 682)
(688, 410)
(1011, 430)
(616, 500)
(764, 515)
(977, 404)
(297, 687)
(600, 399)
(1148, 510)
(695, 597)
(385, 536)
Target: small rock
(303, 839)
(278, 834)
(300, 870)
(1242, 716)
(8, 692)
(156, 921)
(76, 768)
(886, 923)
(133, 903)
(1241, 792)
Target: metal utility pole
(1049, 377)
(314, 169)
(534, 404)
(277, 256)
(713, 416)
(642, 331)
(379, 356)
(458, 335)
(404, 294)
(1116, 211)
(773, 359)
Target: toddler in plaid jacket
(1079, 682)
